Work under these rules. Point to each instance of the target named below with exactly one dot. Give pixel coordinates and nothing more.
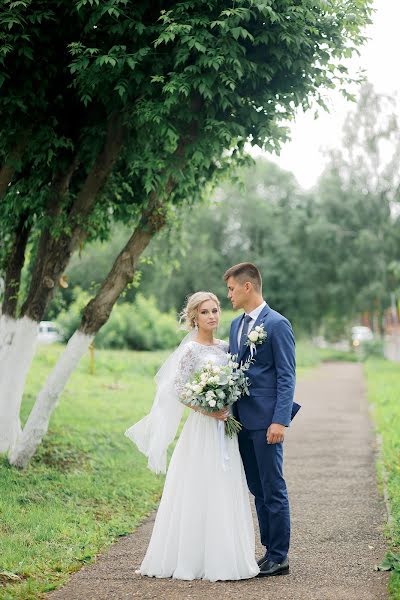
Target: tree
(127, 108)
(262, 218)
(354, 233)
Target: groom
(266, 413)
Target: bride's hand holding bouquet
(213, 389)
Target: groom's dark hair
(245, 272)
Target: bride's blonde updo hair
(189, 314)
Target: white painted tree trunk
(8, 326)
(17, 352)
(38, 422)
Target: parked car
(360, 334)
(49, 333)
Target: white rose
(212, 403)
(197, 388)
(258, 328)
(253, 336)
(210, 395)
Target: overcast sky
(304, 155)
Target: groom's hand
(275, 433)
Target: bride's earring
(196, 327)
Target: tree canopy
(104, 104)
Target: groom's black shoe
(270, 568)
(262, 560)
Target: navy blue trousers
(263, 467)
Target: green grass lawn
(383, 379)
(88, 484)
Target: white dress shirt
(254, 315)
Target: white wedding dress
(204, 527)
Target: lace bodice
(195, 357)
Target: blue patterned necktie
(243, 337)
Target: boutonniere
(256, 337)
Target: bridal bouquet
(216, 387)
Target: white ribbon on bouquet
(222, 445)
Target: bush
(70, 318)
(372, 348)
(136, 326)
(139, 326)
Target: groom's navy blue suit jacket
(272, 375)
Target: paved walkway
(337, 515)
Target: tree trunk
(54, 253)
(10, 361)
(38, 421)
(123, 270)
(19, 358)
(8, 169)
(95, 315)
(12, 280)
(15, 262)
(51, 260)
(8, 327)
(13, 374)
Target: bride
(204, 527)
